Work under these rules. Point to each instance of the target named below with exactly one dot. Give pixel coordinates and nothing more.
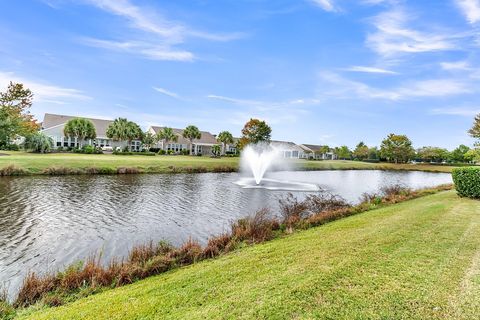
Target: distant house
(313, 151)
(288, 150)
(202, 146)
(53, 125)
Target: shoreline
(269, 229)
(28, 164)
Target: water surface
(47, 223)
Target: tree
(361, 151)
(373, 153)
(475, 130)
(458, 155)
(191, 133)
(216, 149)
(434, 154)
(167, 135)
(149, 139)
(472, 155)
(81, 129)
(38, 142)
(225, 138)
(123, 130)
(343, 153)
(15, 117)
(255, 131)
(397, 148)
(322, 150)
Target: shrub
(12, 170)
(185, 152)
(162, 152)
(467, 181)
(38, 142)
(256, 228)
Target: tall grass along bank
(92, 276)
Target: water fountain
(257, 160)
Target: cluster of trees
(399, 149)
(15, 117)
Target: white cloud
(344, 88)
(457, 111)
(273, 112)
(470, 9)
(326, 5)
(369, 70)
(456, 65)
(166, 92)
(44, 92)
(162, 35)
(394, 35)
(149, 50)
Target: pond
(47, 223)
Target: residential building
(288, 150)
(202, 146)
(53, 125)
(317, 152)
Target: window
(295, 154)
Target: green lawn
(415, 260)
(36, 163)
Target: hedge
(467, 181)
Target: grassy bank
(417, 259)
(21, 163)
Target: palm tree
(123, 130)
(191, 133)
(81, 129)
(149, 140)
(167, 135)
(225, 138)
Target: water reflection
(47, 223)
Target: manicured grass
(37, 163)
(419, 259)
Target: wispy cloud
(344, 88)
(470, 9)
(455, 65)
(275, 112)
(42, 91)
(369, 70)
(457, 111)
(166, 92)
(327, 5)
(149, 50)
(163, 37)
(395, 35)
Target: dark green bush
(467, 181)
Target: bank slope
(418, 259)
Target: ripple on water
(47, 223)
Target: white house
(289, 150)
(313, 151)
(53, 125)
(202, 146)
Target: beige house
(202, 146)
(53, 125)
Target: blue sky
(318, 71)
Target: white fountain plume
(259, 158)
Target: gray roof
(286, 145)
(207, 137)
(53, 120)
(311, 147)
